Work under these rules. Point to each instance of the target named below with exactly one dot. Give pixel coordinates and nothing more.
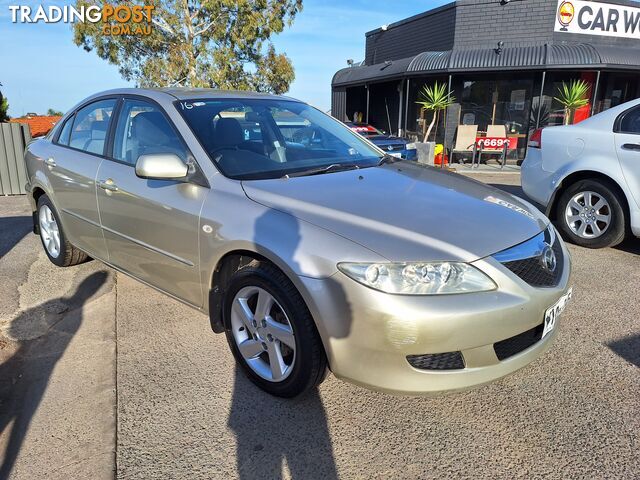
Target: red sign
(361, 129)
(496, 143)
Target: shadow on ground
(25, 375)
(270, 431)
(512, 189)
(630, 245)
(627, 348)
(13, 230)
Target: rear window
(631, 122)
(63, 138)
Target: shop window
(492, 100)
(616, 89)
(552, 111)
(417, 119)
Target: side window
(143, 129)
(90, 127)
(63, 138)
(631, 122)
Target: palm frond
(435, 97)
(574, 94)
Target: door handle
(107, 185)
(631, 146)
(50, 162)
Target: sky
(41, 67)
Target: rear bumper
(368, 334)
(537, 183)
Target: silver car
(588, 176)
(306, 245)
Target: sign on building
(594, 18)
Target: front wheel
(591, 214)
(271, 332)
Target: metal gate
(13, 174)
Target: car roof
(185, 93)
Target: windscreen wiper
(334, 167)
(388, 159)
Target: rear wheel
(59, 250)
(590, 214)
(271, 332)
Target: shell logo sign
(566, 12)
(598, 18)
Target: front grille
(509, 347)
(532, 271)
(530, 267)
(437, 361)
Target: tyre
(55, 243)
(591, 214)
(271, 332)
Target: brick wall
(430, 31)
(468, 24)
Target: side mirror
(162, 166)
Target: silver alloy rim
(49, 231)
(263, 334)
(588, 214)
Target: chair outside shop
(465, 141)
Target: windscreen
(270, 138)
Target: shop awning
(536, 57)
(379, 71)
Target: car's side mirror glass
(161, 166)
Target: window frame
(72, 117)
(198, 177)
(617, 125)
(112, 131)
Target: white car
(588, 176)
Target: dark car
(396, 146)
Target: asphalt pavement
(185, 411)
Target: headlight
(419, 278)
(411, 146)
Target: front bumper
(368, 334)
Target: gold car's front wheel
(271, 332)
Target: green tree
(571, 96)
(4, 108)
(435, 98)
(54, 113)
(209, 43)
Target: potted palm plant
(572, 96)
(434, 98)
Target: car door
(73, 164)
(627, 141)
(150, 226)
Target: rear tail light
(535, 140)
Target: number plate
(399, 155)
(554, 311)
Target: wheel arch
(35, 194)
(576, 176)
(226, 266)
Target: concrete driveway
(184, 411)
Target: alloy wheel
(49, 231)
(588, 214)
(263, 334)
